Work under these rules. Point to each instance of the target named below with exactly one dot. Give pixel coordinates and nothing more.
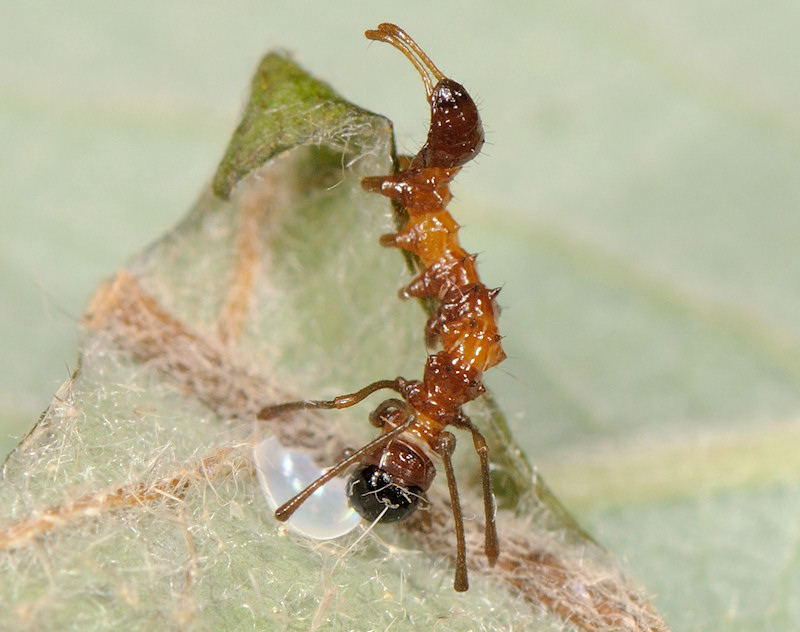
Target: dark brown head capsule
(456, 134)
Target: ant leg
(379, 416)
(343, 401)
(490, 546)
(285, 511)
(444, 448)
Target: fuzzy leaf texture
(132, 504)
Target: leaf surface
(133, 502)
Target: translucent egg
(283, 472)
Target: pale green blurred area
(637, 200)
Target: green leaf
(287, 108)
(133, 502)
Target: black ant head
(456, 134)
(373, 494)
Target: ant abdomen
(374, 495)
(390, 482)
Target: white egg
(283, 472)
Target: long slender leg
(444, 448)
(285, 511)
(343, 401)
(490, 545)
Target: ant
(395, 469)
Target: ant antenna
(397, 37)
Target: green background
(637, 200)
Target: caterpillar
(394, 470)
